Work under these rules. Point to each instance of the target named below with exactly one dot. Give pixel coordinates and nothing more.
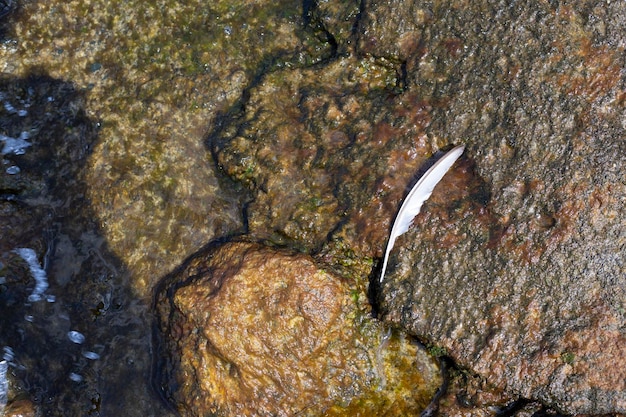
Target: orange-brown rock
(257, 331)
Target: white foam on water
(8, 354)
(41, 281)
(9, 107)
(4, 385)
(16, 146)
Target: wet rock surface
(515, 265)
(254, 330)
(326, 153)
(155, 93)
(516, 269)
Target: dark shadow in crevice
(312, 20)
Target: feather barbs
(413, 202)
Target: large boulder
(515, 266)
(256, 331)
(525, 286)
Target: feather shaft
(417, 196)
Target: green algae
(157, 73)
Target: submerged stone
(155, 76)
(62, 292)
(322, 150)
(258, 331)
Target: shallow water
(108, 181)
(75, 339)
(106, 184)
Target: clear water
(75, 338)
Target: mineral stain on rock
(521, 282)
(252, 330)
(545, 319)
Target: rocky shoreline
(270, 145)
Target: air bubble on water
(76, 337)
(91, 355)
(75, 377)
(13, 169)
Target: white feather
(420, 193)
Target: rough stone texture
(257, 331)
(323, 150)
(468, 395)
(516, 265)
(337, 20)
(537, 95)
(20, 408)
(524, 274)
